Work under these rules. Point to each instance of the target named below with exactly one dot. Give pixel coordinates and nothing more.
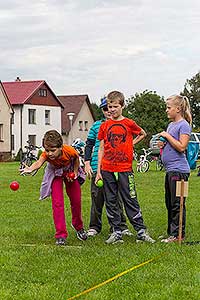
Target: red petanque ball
(71, 175)
(14, 185)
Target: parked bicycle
(145, 159)
(135, 157)
(79, 145)
(159, 163)
(143, 163)
(29, 156)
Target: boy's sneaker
(114, 238)
(60, 241)
(81, 234)
(144, 237)
(171, 239)
(127, 232)
(92, 232)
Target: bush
(19, 155)
(39, 153)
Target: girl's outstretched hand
(25, 170)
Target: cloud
(93, 46)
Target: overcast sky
(95, 46)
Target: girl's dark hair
(52, 138)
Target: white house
(36, 110)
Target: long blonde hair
(184, 104)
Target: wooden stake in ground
(181, 191)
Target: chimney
(17, 79)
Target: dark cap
(103, 102)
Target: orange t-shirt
(68, 153)
(118, 144)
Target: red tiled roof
(19, 91)
(72, 103)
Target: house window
(42, 92)
(1, 132)
(86, 125)
(12, 142)
(80, 125)
(47, 117)
(32, 116)
(32, 139)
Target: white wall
(16, 129)
(37, 129)
(5, 116)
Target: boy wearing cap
(91, 163)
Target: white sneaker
(171, 239)
(144, 237)
(127, 232)
(92, 232)
(114, 238)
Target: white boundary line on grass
(49, 246)
(115, 277)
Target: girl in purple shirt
(174, 159)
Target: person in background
(63, 160)
(98, 194)
(174, 159)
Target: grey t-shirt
(172, 159)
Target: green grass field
(32, 267)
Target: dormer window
(43, 92)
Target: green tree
(97, 111)
(192, 91)
(147, 109)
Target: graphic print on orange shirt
(116, 136)
(118, 144)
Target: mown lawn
(32, 267)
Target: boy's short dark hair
(52, 138)
(115, 95)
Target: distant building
(36, 110)
(6, 113)
(77, 117)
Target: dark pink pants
(74, 193)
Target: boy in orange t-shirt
(62, 160)
(115, 168)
